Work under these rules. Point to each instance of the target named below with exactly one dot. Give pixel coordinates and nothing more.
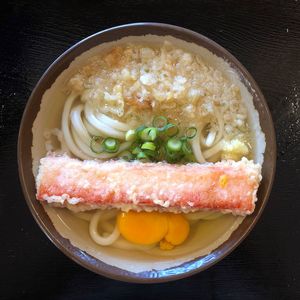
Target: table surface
(263, 35)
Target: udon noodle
(125, 88)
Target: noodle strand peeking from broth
(100, 219)
(197, 148)
(213, 150)
(104, 129)
(78, 132)
(66, 129)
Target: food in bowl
(154, 144)
(226, 186)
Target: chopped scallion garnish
(151, 153)
(148, 134)
(174, 145)
(186, 148)
(136, 150)
(111, 145)
(130, 135)
(191, 132)
(171, 130)
(148, 146)
(159, 122)
(142, 156)
(158, 142)
(173, 157)
(139, 130)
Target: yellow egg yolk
(141, 227)
(179, 229)
(146, 228)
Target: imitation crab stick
(226, 186)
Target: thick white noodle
(91, 129)
(213, 150)
(66, 130)
(85, 148)
(101, 240)
(108, 220)
(210, 138)
(113, 123)
(214, 136)
(78, 125)
(103, 128)
(202, 138)
(220, 126)
(197, 148)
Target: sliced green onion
(136, 150)
(191, 132)
(171, 130)
(134, 144)
(148, 146)
(186, 148)
(156, 143)
(139, 130)
(159, 122)
(111, 145)
(130, 135)
(173, 157)
(142, 156)
(174, 145)
(150, 153)
(148, 134)
(96, 144)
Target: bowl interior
(185, 268)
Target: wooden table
(263, 35)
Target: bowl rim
(115, 272)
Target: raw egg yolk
(178, 230)
(144, 228)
